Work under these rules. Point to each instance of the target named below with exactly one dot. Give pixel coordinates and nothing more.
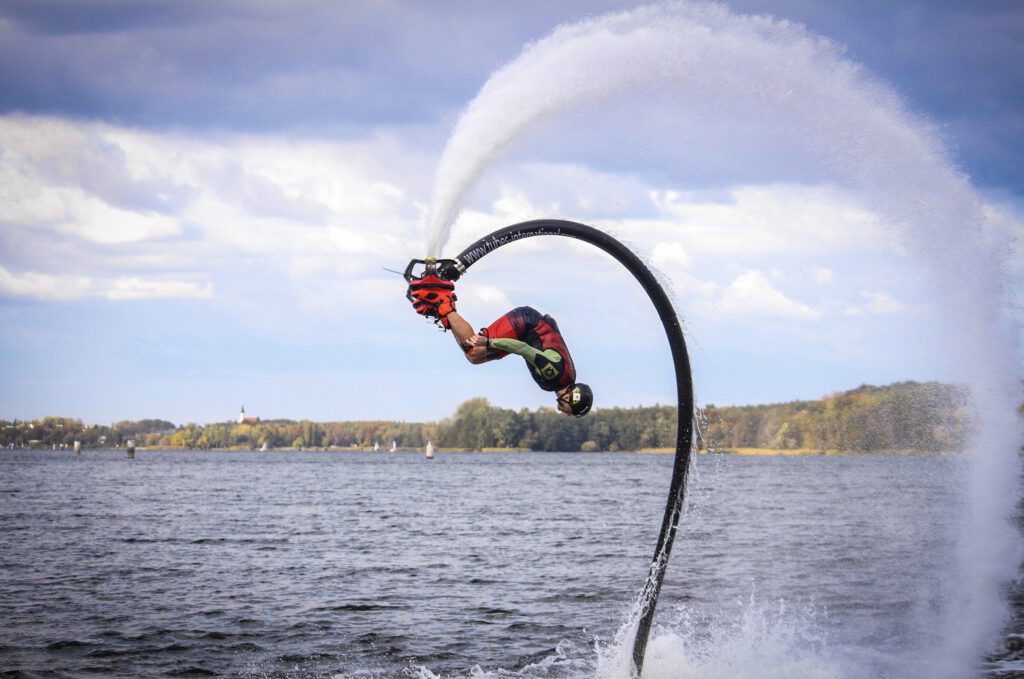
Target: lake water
(470, 565)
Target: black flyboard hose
(453, 269)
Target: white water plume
(761, 643)
(870, 140)
(696, 49)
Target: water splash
(868, 139)
(762, 643)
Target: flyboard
(452, 269)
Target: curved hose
(453, 269)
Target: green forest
(909, 416)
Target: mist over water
(872, 143)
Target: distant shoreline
(741, 452)
(908, 416)
(810, 451)
(798, 452)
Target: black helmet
(580, 399)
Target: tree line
(62, 432)
(905, 416)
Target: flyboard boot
(432, 294)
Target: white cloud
(753, 293)
(24, 200)
(64, 288)
(770, 219)
(589, 192)
(879, 302)
(473, 224)
(513, 204)
(670, 256)
(43, 286)
(93, 220)
(490, 295)
(219, 207)
(307, 220)
(138, 288)
(484, 300)
(310, 181)
(674, 262)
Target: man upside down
(522, 331)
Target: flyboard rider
(522, 331)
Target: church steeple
(241, 416)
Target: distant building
(242, 419)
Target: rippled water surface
(361, 564)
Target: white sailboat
(430, 450)
(394, 446)
(376, 446)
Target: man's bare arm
(463, 332)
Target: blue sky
(197, 200)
